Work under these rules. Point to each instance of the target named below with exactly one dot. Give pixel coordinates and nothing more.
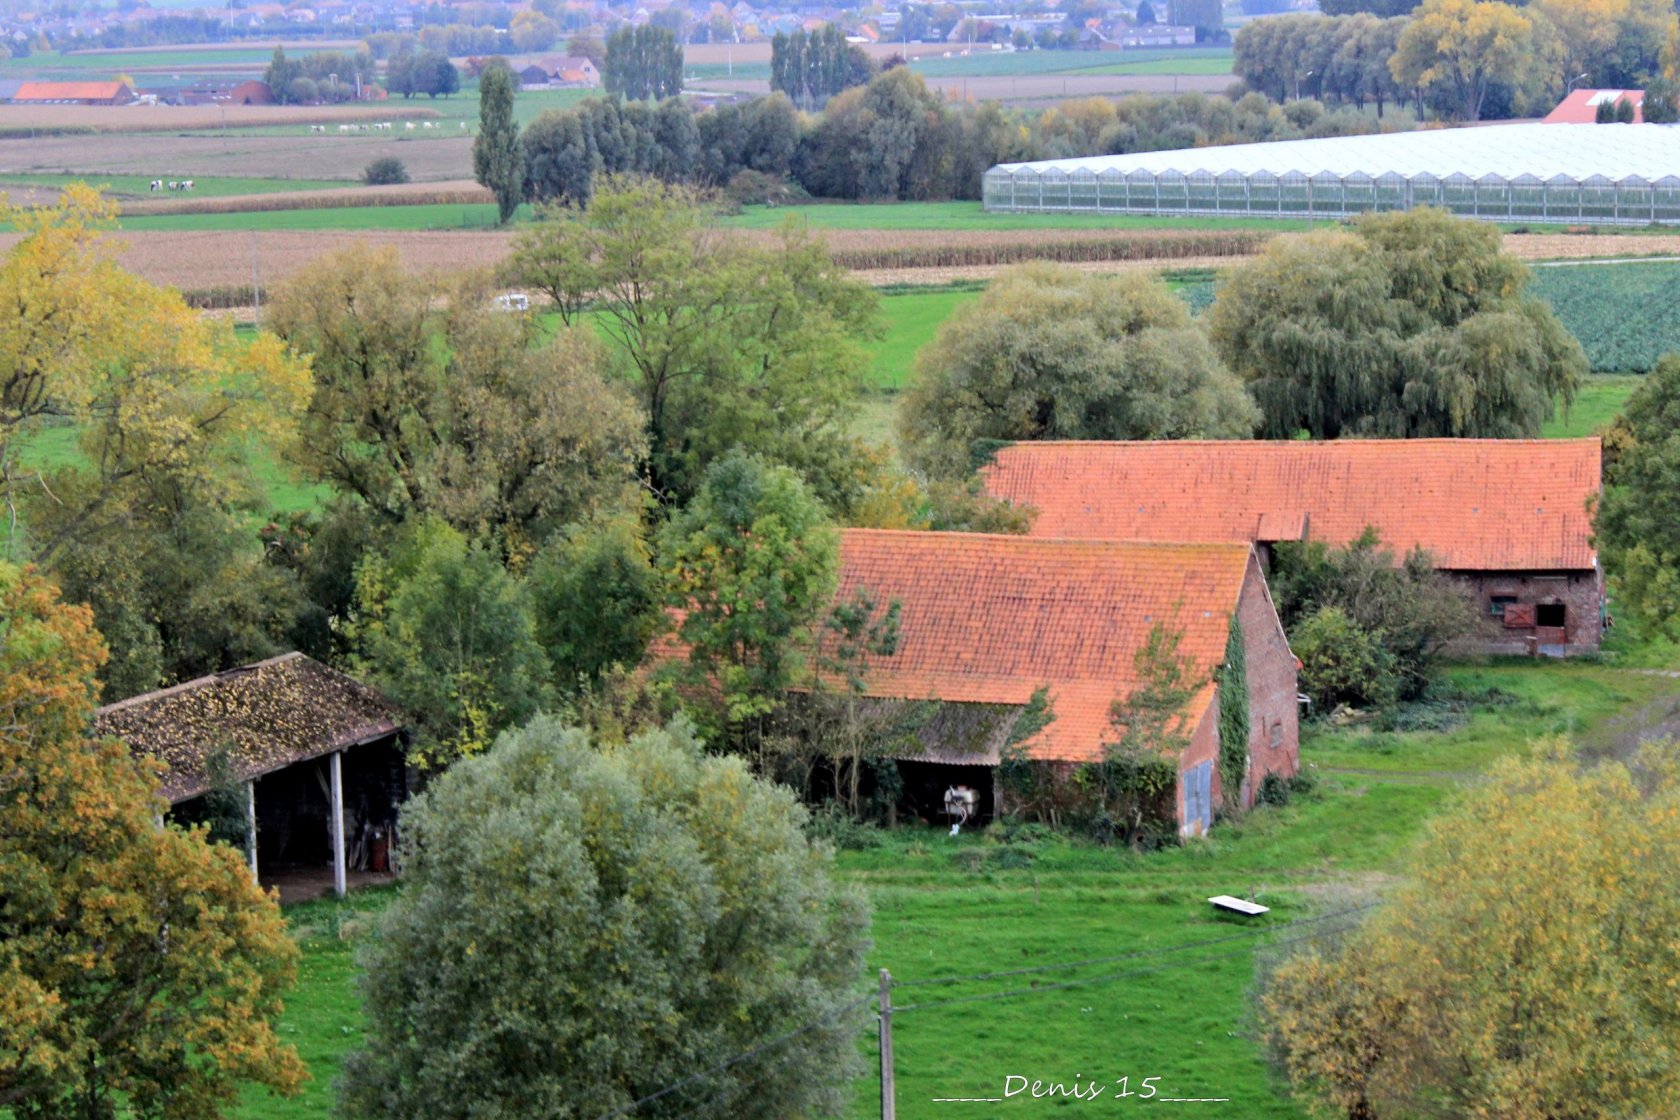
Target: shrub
(755, 188)
(384, 172)
(583, 924)
(1341, 662)
(1275, 790)
(830, 823)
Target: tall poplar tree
(498, 154)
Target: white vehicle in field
(512, 301)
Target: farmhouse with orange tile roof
(987, 620)
(1509, 517)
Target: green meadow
(1177, 1004)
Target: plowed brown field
(204, 155)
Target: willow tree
(1049, 352)
(1407, 325)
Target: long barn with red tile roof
(1511, 517)
(987, 620)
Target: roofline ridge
(1026, 539)
(200, 682)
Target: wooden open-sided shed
(319, 754)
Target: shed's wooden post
(251, 823)
(338, 822)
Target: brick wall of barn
(1274, 730)
(1560, 612)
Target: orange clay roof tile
(990, 619)
(1476, 505)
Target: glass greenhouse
(1621, 174)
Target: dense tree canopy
(1050, 352)
(586, 923)
(751, 564)
(1409, 324)
(724, 343)
(643, 63)
(147, 520)
(810, 67)
(142, 968)
(1452, 1000)
(447, 633)
(433, 402)
(1638, 535)
(1463, 48)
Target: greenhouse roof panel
(1510, 151)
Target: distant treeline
(890, 139)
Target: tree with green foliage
(724, 343)
(643, 63)
(1400, 606)
(596, 599)
(1136, 783)
(751, 563)
(385, 171)
(1342, 662)
(585, 923)
(498, 156)
(447, 633)
(143, 967)
(1453, 1000)
(1635, 529)
(1049, 352)
(812, 66)
(429, 401)
(1407, 325)
(281, 73)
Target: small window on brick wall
(1497, 605)
(1550, 614)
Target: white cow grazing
(186, 184)
(174, 185)
(408, 126)
(157, 184)
(344, 128)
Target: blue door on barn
(1198, 798)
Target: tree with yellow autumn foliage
(1460, 49)
(140, 966)
(144, 519)
(1528, 970)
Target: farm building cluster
(1624, 174)
(1006, 643)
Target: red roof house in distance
(1509, 516)
(988, 620)
(1581, 106)
(73, 93)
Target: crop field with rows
(1626, 315)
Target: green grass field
(139, 186)
(949, 907)
(80, 65)
(968, 215)
(429, 216)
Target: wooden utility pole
(889, 1110)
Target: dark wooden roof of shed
(268, 716)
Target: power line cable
(1135, 955)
